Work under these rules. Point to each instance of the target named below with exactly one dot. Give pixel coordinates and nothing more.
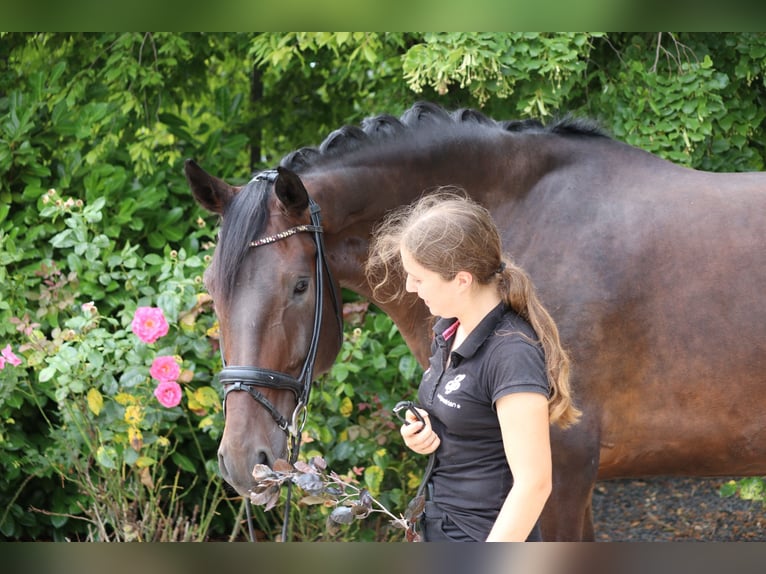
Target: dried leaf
(415, 508)
(281, 465)
(268, 498)
(146, 478)
(332, 528)
(412, 535)
(318, 462)
(365, 498)
(302, 466)
(333, 491)
(311, 483)
(342, 515)
(312, 500)
(360, 511)
(261, 472)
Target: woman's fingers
(419, 436)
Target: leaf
(281, 465)
(312, 500)
(311, 483)
(342, 515)
(106, 457)
(415, 508)
(262, 472)
(183, 461)
(207, 396)
(346, 406)
(47, 374)
(319, 462)
(728, 489)
(360, 511)
(302, 466)
(145, 461)
(412, 535)
(268, 498)
(373, 478)
(146, 478)
(95, 401)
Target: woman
(498, 376)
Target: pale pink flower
(89, 307)
(10, 357)
(2, 363)
(165, 369)
(149, 324)
(168, 394)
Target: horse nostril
(262, 458)
(222, 466)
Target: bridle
(248, 378)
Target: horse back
(655, 274)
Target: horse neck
(355, 198)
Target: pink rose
(165, 369)
(10, 357)
(149, 324)
(168, 393)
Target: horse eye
(301, 285)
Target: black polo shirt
(471, 477)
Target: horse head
(274, 299)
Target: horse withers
(654, 273)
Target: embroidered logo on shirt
(453, 385)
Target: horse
(653, 272)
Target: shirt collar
(444, 328)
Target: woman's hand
(419, 436)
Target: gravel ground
(674, 509)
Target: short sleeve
(516, 366)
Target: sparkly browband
(269, 175)
(286, 233)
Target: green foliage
(127, 464)
(537, 68)
(315, 82)
(750, 488)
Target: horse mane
(426, 116)
(245, 217)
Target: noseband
(249, 379)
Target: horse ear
(210, 192)
(291, 191)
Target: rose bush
(130, 421)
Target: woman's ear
(464, 278)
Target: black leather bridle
(249, 378)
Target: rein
(249, 379)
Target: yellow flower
(125, 399)
(134, 415)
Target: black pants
(438, 527)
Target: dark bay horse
(655, 274)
